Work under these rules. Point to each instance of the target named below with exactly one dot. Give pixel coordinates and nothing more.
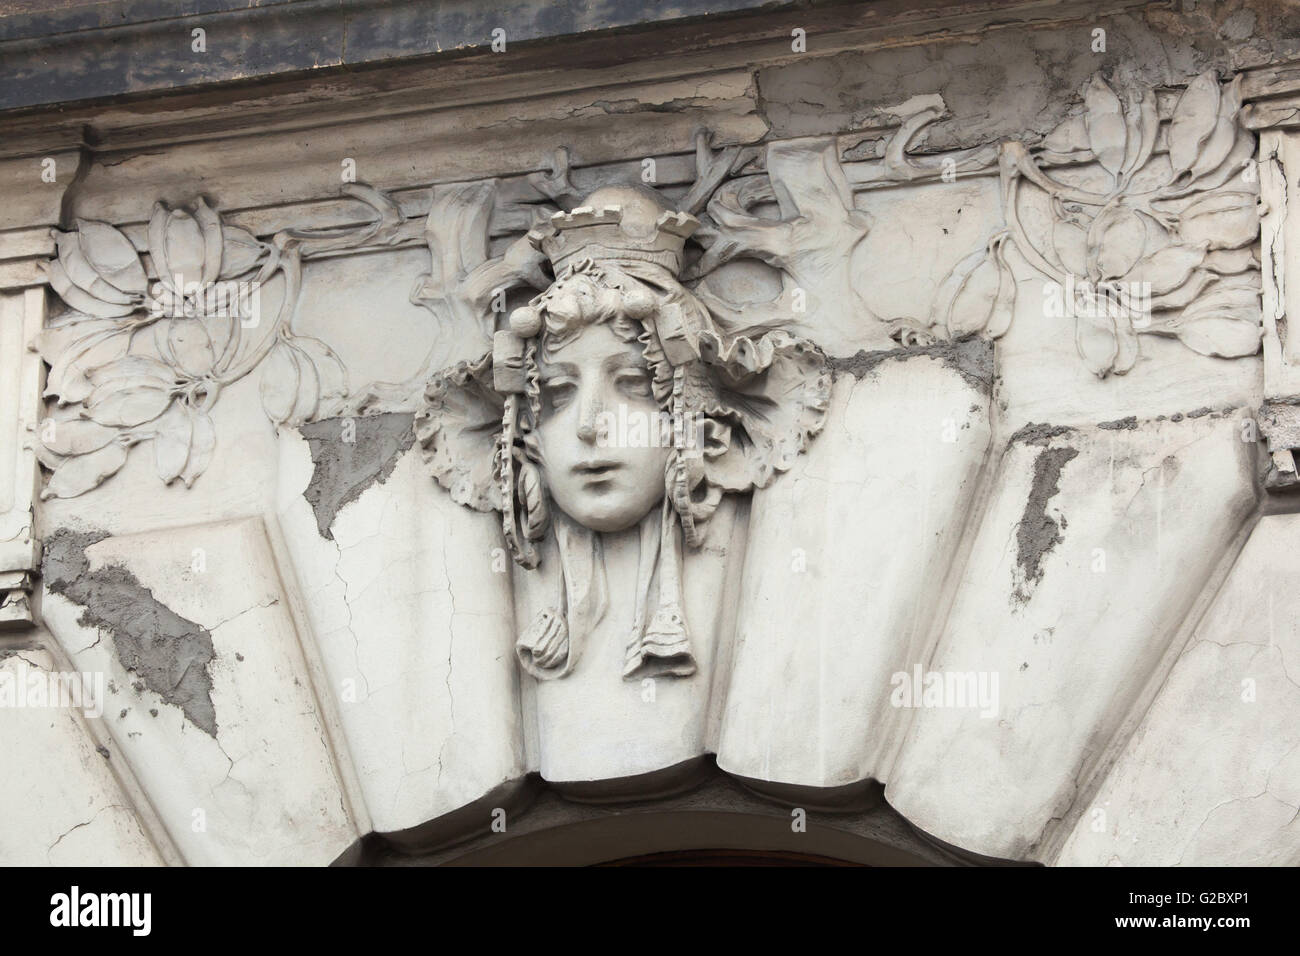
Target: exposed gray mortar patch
(1038, 533)
(343, 470)
(167, 653)
(1036, 434)
(970, 357)
(1120, 423)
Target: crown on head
(617, 223)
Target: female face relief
(599, 436)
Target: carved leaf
(978, 295)
(1004, 305)
(241, 251)
(1224, 220)
(280, 378)
(68, 381)
(1117, 240)
(75, 436)
(1193, 121)
(157, 235)
(171, 442)
(203, 440)
(308, 395)
(187, 345)
(1126, 345)
(1225, 337)
(1070, 241)
(185, 248)
(1167, 268)
(1143, 124)
(210, 229)
(1241, 156)
(330, 373)
(133, 368)
(1186, 293)
(1224, 134)
(80, 299)
(128, 405)
(78, 475)
(1105, 121)
(82, 273)
(112, 256)
(973, 297)
(1224, 323)
(1096, 341)
(1227, 262)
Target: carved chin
(616, 513)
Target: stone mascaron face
(615, 401)
(604, 477)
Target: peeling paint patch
(1038, 532)
(344, 469)
(169, 654)
(970, 357)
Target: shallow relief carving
(1146, 222)
(750, 429)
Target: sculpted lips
(596, 471)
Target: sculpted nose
(588, 421)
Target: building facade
(487, 434)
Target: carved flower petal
(973, 303)
(1118, 238)
(70, 362)
(82, 273)
(1126, 345)
(1239, 159)
(158, 244)
(189, 346)
(1070, 241)
(74, 436)
(1221, 335)
(78, 298)
(1226, 322)
(210, 227)
(332, 377)
(1096, 341)
(1193, 121)
(1168, 268)
(1105, 122)
(1224, 134)
(1143, 125)
(112, 256)
(171, 442)
(241, 251)
(1224, 220)
(185, 249)
(203, 441)
(141, 369)
(127, 405)
(78, 475)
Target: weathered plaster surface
(168, 654)
(313, 641)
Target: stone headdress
(759, 399)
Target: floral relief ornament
(1165, 246)
(132, 362)
(526, 429)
